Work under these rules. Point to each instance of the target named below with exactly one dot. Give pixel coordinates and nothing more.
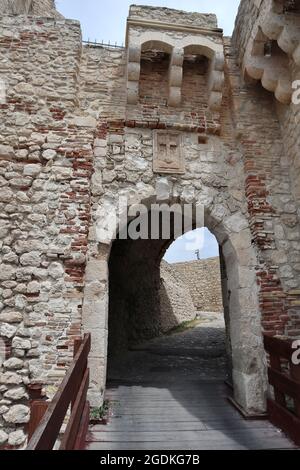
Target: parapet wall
(174, 17)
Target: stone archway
(136, 263)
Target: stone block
(17, 393)
(10, 378)
(84, 121)
(16, 438)
(96, 270)
(3, 437)
(7, 331)
(21, 343)
(18, 414)
(11, 316)
(6, 151)
(250, 391)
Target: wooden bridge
(186, 416)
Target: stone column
(133, 73)
(175, 77)
(95, 318)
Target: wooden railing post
(47, 418)
(275, 364)
(77, 344)
(286, 383)
(38, 407)
(295, 374)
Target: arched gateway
(180, 115)
(122, 291)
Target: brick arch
(177, 49)
(164, 54)
(234, 237)
(216, 77)
(214, 52)
(152, 40)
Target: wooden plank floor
(169, 394)
(191, 416)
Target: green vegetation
(186, 325)
(100, 413)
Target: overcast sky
(103, 20)
(184, 248)
(106, 20)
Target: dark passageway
(167, 391)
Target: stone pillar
(133, 74)
(216, 81)
(95, 317)
(175, 77)
(248, 355)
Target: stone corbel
(274, 75)
(285, 30)
(271, 66)
(133, 74)
(274, 70)
(216, 81)
(175, 77)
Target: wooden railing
(47, 418)
(284, 376)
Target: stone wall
(45, 8)
(73, 139)
(176, 303)
(44, 217)
(271, 148)
(168, 15)
(203, 281)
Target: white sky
(103, 20)
(106, 20)
(184, 248)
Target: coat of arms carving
(168, 153)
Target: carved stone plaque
(168, 153)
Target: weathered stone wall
(203, 281)
(45, 174)
(176, 303)
(247, 14)
(271, 148)
(168, 15)
(71, 144)
(45, 8)
(145, 300)
(154, 75)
